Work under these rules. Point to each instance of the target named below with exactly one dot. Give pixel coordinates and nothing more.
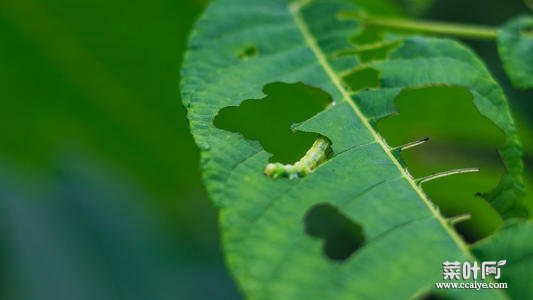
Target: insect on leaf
(264, 236)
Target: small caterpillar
(317, 154)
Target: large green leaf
(262, 219)
(515, 45)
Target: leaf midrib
(295, 10)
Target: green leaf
(515, 45)
(263, 220)
(515, 245)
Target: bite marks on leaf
(341, 235)
(362, 78)
(441, 112)
(268, 120)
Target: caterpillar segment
(317, 154)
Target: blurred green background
(100, 190)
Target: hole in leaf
(460, 137)
(269, 120)
(341, 236)
(369, 35)
(379, 52)
(370, 44)
(247, 52)
(369, 52)
(362, 78)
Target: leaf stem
(412, 144)
(476, 32)
(459, 218)
(446, 173)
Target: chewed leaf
(421, 62)
(515, 45)
(263, 221)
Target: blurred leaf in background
(82, 233)
(101, 76)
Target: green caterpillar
(317, 154)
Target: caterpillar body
(317, 154)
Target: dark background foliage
(100, 190)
